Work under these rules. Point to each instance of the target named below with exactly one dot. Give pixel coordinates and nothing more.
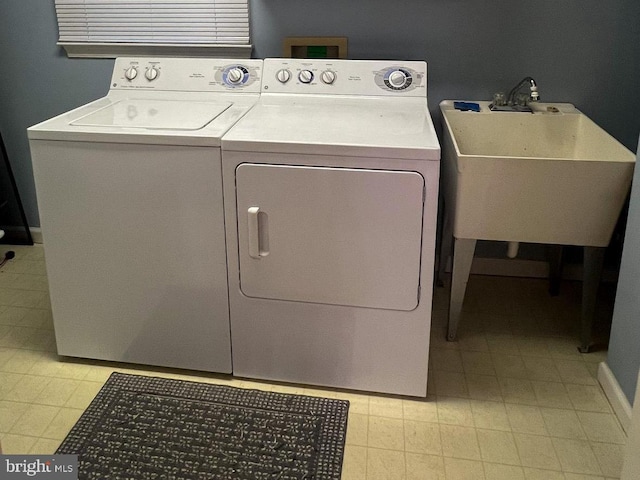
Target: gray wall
(585, 52)
(623, 357)
(582, 51)
(38, 81)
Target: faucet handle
(499, 99)
(522, 99)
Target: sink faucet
(533, 88)
(515, 102)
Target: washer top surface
(337, 126)
(154, 114)
(361, 112)
(174, 101)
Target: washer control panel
(344, 77)
(187, 74)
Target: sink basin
(551, 176)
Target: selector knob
(398, 79)
(283, 76)
(235, 76)
(131, 73)
(305, 76)
(152, 73)
(328, 77)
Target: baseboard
(507, 267)
(36, 234)
(19, 236)
(621, 406)
(515, 267)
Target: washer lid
(154, 114)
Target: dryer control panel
(187, 74)
(344, 77)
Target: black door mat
(154, 428)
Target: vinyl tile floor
(511, 399)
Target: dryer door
(330, 235)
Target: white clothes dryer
(331, 189)
(129, 189)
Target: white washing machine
(331, 188)
(129, 189)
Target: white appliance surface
(158, 114)
(331, 188)
(130, 195)
(356, 115)
(304, 246)
(190, 102)
(360, 126)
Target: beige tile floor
(511, 399)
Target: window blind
(153, 22)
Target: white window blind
(156, 23)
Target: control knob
(328, 77)
(399, 79)
(131, 73)
(305, 76)
(152, 73)
(283, 75)
(235, 75)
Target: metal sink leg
(554, 256)
(463, 250)
(592, 271)
(446, 246)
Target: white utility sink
(552, 176)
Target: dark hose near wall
(7, 256)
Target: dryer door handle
(254, 232)
(258, 233)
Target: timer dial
(398, 79)
(235, 75)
